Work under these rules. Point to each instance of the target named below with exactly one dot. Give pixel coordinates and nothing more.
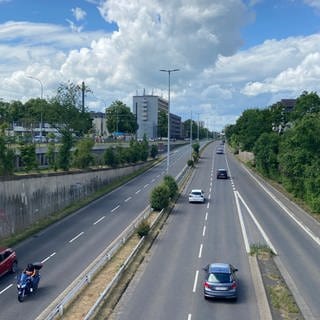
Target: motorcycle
(27, 284)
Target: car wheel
(14, 267)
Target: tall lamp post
(168, 150)
(41, 96)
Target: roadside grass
(47, 221)
(261, 250)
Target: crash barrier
(58, 306)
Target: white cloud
(313, 3)
(78, 13)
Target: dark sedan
(220, 281)
(222, 174)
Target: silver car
(220, 281)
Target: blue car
(220, 281)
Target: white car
(196, 195)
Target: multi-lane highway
(239, 212)
(68, 247)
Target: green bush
(172, 185)
(160, 197)
(190, 163)
(143, 229)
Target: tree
(110, 158)
(172, 185)
(51, 152)
(160, 197)
(154, 151)
(6, 154)
(120, 119)
(28, 156)
(307, 103)
(162, 124)
(82, 156)
(64, 154)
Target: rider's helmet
(30, 267)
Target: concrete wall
(24, 200)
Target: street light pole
(41, 96)
(168, 149)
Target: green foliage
(307, 103)
(6, 156)
(160, 197)
(154, 151)
(190, 163)
(143, 229)
(110, 158)
(51, 156)
(64, 154)
(120, 119)
(172, 185)
(162, 124)
(82, 156)
(28, 156)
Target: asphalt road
(69, 246)
(169, 284)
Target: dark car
(8, 261)
(222, 174)
(220, 281)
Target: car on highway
(222, 174)
(196, 195)
(220, 281)
(8, 261)
(219, 151)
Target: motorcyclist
(31, 271)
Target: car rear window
(196, 193)
(219, 277)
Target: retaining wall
(25, 200)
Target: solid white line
(287, 211)
(200, 251)
(189, 316)
(195, 281)
(243, 228)
(258, 225)
(114, 209)
(47, 258)
(138, 191)
(128, 199)
(99, 220)
(76, 237)
(146, 185)
(5, 289)
(204, 231)
(206, 217)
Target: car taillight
(206, 284)
(234, 285)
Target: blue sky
(232, 54)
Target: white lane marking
(195, 281)
(258, 225)
(146, 185)
(158, 175)
(209, 196)
(153, 180)
(200, 251)
(287, 211)
(208, 205)
(6, 288)
(204, 231)
(189, 316)
(76, 237)
(99, 220)
(138, 191)
(47, 258)
(210, 190)
(243, 228)
(114, 209)
(206, 217)
(128, 199)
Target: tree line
(286, 145)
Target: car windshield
(219, 277)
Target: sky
(232, 55)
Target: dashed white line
(146, 185)
(47, 258)
(204, 231)
(189, 316)
(158, 175)
(206, 217)
(208, 205)
(114, 209)
(138, 191)
(128, 199)
(153, 180)
(6, 288)
(200, 251)
(99, 220)
(76, 237)
(195, 281)
(209, 196)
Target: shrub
(190, 163)
(172, 185)
(143, 229)
(160, 197)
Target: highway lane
(169, 284)
(293, 233)
(68, 246)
